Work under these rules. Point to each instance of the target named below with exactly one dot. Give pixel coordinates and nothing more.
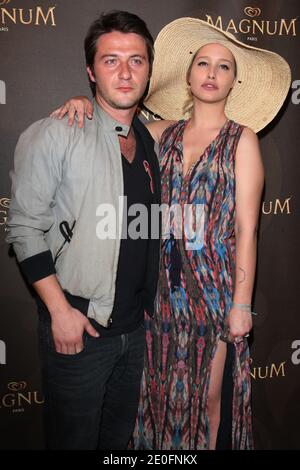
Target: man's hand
(68, 328)
(80, 106)
(68, 323)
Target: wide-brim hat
(262, 82)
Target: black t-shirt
(127, 312)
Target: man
(92, 290)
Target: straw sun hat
(262, 82)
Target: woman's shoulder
(245, 132)
(248, 149)
(248, 136)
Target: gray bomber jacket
(62, 174)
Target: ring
(238, 339)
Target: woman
(196, 386)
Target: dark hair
(116, 20)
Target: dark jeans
(91, 398)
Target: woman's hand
(239, 323)
(78, 105)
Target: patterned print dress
(195, 292)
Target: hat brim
(261, 86)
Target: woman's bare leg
(214, 392)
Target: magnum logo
(4, 205)
(277, 207)
(252, 11)
(18, 397)
(36, 16)
(17, 386)
(146, 115)
(268, 372)
(251, 25)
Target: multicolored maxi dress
(195, 292)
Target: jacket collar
(108, 123)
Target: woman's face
(212, 73)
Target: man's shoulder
(44, 137)
(48, 127)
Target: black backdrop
(41, 64)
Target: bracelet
(242, 306)
(245, 307)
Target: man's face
(121, 69)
